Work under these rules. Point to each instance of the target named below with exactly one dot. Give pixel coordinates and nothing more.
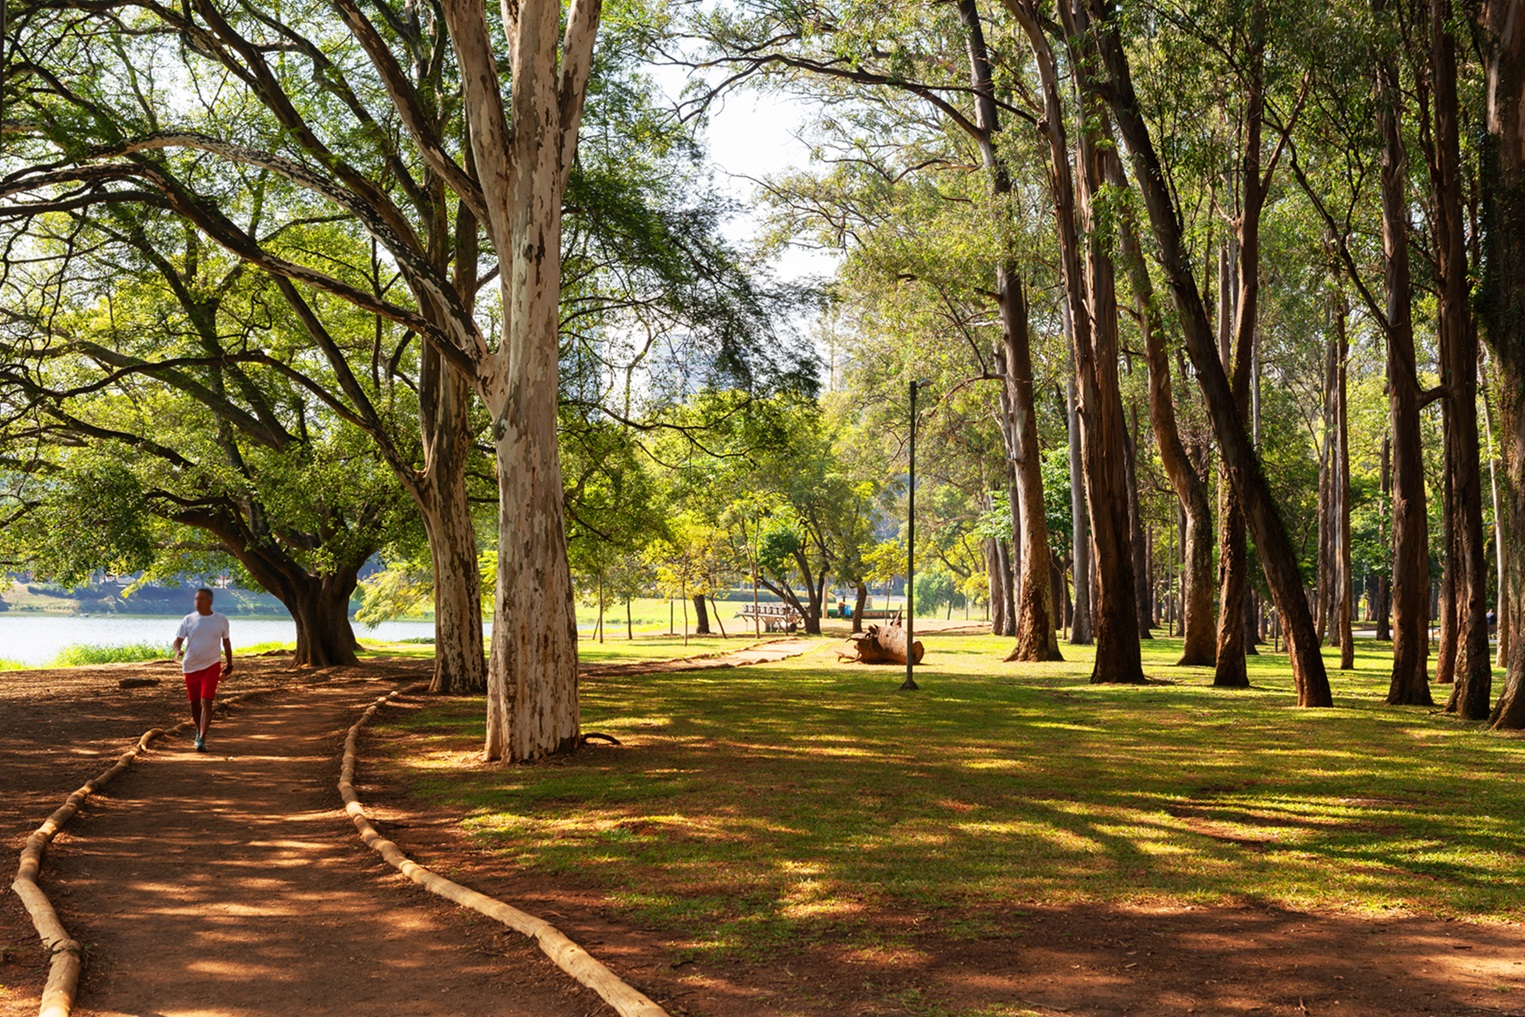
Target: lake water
(37, 638)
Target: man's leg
(205, 720)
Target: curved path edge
(66, 954)
(567, 955)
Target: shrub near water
(84, 654)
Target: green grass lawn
(779, 804)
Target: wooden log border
(570, 957)
(66, 954)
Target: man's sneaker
(201, 744)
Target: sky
(752, 135)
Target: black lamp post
(910, 555)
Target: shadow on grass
(807, 800)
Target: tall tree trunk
(1136, 537)
(1472, 690)
(523, 155)
(460, 664)
(1114, 611)
(1410, 683)
(996, 577)
(1384, 608)
(1500, 517)
(1191, 490)
(1263, 516)
(701, 616)
(1346, 602)
(320, 608)
(1033, 620)
(1229, 668)
(1026, 587)
(1501, 309)
(860, 604)
(1080, 534)
(1327, 507)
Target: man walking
(200, 634)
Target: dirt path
(232, 884)
(770, 652)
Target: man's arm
(176, 655)
(227, 649)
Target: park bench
(774, 617)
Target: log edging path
(567, 955)
(66, 955)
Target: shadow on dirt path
(232, 884)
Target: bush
(13, 665)
(82, 654)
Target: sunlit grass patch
(808, 799)
(85, 654)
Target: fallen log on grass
(881, 644)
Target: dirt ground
(232, 884)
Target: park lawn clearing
(755, 811)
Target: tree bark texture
(1501, 309)
(885, 644)
(532, 695)
(1026, 587)
(1277, 555)
(1410, 681)
(1198, 647)
(1137, 538)
(320, 609)
(1034, 619)
(460, 662)
(996, 578)
(1080, 534)
(1229, 667)
(701, 616)
(1471, 693)
(1346, 602)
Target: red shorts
(203, 684)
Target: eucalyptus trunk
(1026, 587)
(1198, 648)
(1410, 681)
(1034, 619)
(1471, 692)
(1501, 307)
(1080, 534)
(460, 663)
(1245, 472)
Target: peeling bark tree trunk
(1467, 610)
(1410, 682)
(460, 664)
(1245, 471)
(1501, 309)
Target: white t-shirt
(203, 635)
